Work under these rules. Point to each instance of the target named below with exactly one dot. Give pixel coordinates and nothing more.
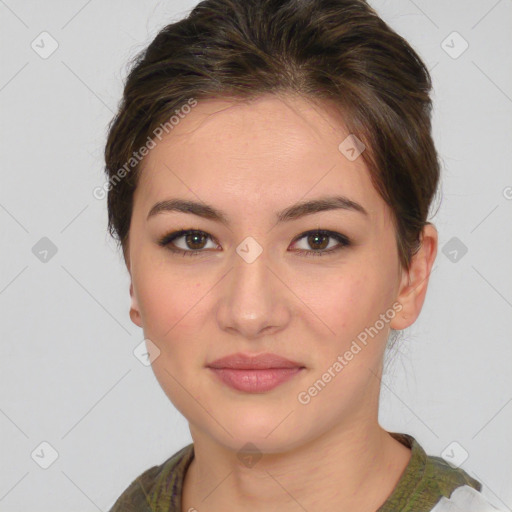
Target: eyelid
(167, 239)
(343, 241)
(325, 232)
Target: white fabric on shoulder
(464, 499)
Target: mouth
(255, 374)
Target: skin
(252, 160)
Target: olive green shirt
(425, 480)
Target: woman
(271, 170)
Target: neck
(353, 468)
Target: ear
(134, 308)
(413, 287)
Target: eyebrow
(291, 213)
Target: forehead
(274, 150)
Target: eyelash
(344, 241)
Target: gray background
(68, 374)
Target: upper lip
(251, 362)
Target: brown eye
(318, 241)
(187, 242)
(195, 240)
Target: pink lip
(254, 374)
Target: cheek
(339, 301)
(170, 303)
(346, 299)
(349, 301)
(169, 299)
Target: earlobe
(134, 308)
(413, 287)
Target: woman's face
(250, 289)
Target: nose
(253, 300)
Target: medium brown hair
(335, 52)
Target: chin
(265, 430)
(249, 441)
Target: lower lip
(255, 381)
